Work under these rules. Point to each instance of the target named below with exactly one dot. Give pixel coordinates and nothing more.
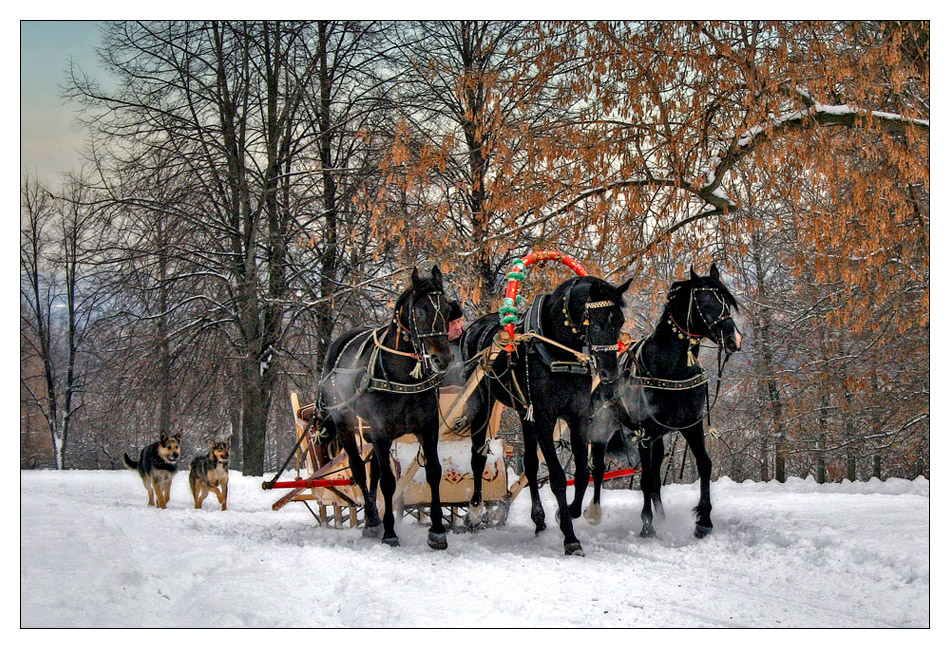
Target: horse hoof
(391, 541)
(372, 531)
(593, 515)
(538, 519)
(437, 541)
(573, 549)
(702, 531)
(648, 532)
(575, 511)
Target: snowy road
(793, 555)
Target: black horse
(388, 377)
(662, 389)
(544, 381)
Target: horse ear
(437, 275)
(692, 274)
(623, 287)
(713, 271)
(415, 276)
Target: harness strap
(385, 385)
(391, 350)
(670, 384)
(582, 366)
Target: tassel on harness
(529, 415)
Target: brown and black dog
(210, 473)
(156, 466)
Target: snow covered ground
(793, 555)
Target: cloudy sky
(49, 134)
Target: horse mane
(597, 289)
(704, 282)
(601, 289)
(422, 286)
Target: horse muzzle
(440, 361)
(733, 342)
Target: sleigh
(334, 501)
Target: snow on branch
(815, 114)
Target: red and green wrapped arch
(508, 313)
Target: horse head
(701, 307)
(592, 316)
(423, 312)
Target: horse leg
(372, 523)
(646, 487)
(598, 453)
(579, 435)
(658, 451)
(695, 438)
(373, 474)
(531, 464)
(387, 481)
(479, 422)
(559, 487)
(430, 448)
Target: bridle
(439, 326)
(582, 329)
(711, 327)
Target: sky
(50, 136)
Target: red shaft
(610, 475)
(297, 484)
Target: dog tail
(129, 462)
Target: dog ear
(177, 436)
(210, 443)
(162, 435)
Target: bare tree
(60, 298)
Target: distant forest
(253, 189)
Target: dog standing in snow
(156, 466)
(210, 473)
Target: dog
(156, 466)
(210, 473)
